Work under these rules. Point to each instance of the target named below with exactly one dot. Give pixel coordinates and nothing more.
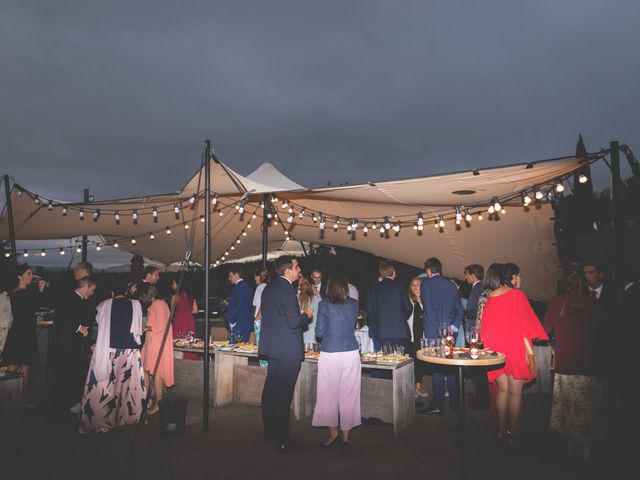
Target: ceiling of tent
(521, 235)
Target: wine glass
(472, 334)
(180, 334)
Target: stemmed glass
(472, 335)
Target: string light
(301, 214)
(192, 200)
(336, 223)
(526, 199)
(285, 204)
(79, 249)
(490, 209)
(116, 244)
(420, 220)
(314, 218)
(583, 178)
(152, 236)
(25, 254)
(98, 247)
(441, 222)
(458, 216)
(244, 234)
(50, 206)
(290, 218)
(168, 231)
(43, 253)
(480, 217)
(387, 225)
(241, 208)
(133, 240)
(201, 218)
(467, 215)
(155, 214)
(396, 227)
(176, 210)
(503, 211)
(64, 211)
(559, 187)
(496, 204)
(36, 200)
(436, 223)
(539, 195)
(365, 229)
(96, 215)
(62, 252)
(220, 213)
(7, 254)
(186, 226)
(81, 214)
(322, 223)
(116, 215)
(214, 200)
(382, 230)
(134, 215)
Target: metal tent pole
(207, 253)
(265, 230)
(84, 237)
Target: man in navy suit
(281, 342)
(442, 305)
(474, 274)
(318, 285)
(239, 317)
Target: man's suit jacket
(441, 304)
(71, 312)
(240, 304)
(282, 322)
(388, 307)
(471, 312)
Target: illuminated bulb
(274, 199)
(387, 225)
(244, 234)
(238, 241)
(7, 254)
(98, 247)
(232, 247)
(269, 214)
(117, 216)
(349, 228)
(526, 199)
(539, 195)
(314, 218)
(583, 178)
(435, 223)
(134, 215)
(25, 254)
(420, 219)
(480, 217)
(226, 254)
(192, 200)
(81, 214)
(36, 200)
(335, 225)
(285, 204)
(415, 227)
(155, 212)
(382, 230)
(61, 251)
(322, 223)
(79, 249)
(201, 218)
(420, 227)
(214, 200)
(491, 209)
(168, 231)
(396, 227)
(275, 221)
(50, 206)
(290, 218)
(559, 187)
(366, 228)
(301, 214)
(96, 214)
(237, 207)
(133, 240)
(496, 205)
(152, 236)
(261, 204)
(64, 211)
(241, 209)
(220, 213)
(116, 245)
(467, 215)
(176, 210)
(248, 225)
(458, 216)
(43, 253)
(441, 222)
(503, 211)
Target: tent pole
(12, 231)
(617, 213)
(265, 231)
(207, 253)
(84, 237)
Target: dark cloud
(118, 96)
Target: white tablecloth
(366, 344)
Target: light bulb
(467, 215)
(559, 187)
(155, 212)
(133, 240)
(366, 228)
(25, 254)
(480, 217)
(583, 178)
(116, 245)
(98, 247)
(491, 209)
(43, 253)
(168, 231)
(134, 215)
(62, 251)
(201, 218)
(79, 249)
(387, 225)
(192, 200)
(64, 211)
(117, 216)
(441, 222)
(186, 226)
(176, 210)
(539, 195)
(81, 214)
(50, 206)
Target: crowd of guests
(103, 376)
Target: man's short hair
(594, 263)
(84, 266)
(235, 270)
(433, 264)
(475, 269)
(149, 270)
(386, 268)
(86, 282)
(282, 264)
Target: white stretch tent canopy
(521, 235)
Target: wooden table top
(487, 358)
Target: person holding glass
(339, 369)
(309, 297)
(417, 334)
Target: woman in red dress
(185, 308)
(507, 319)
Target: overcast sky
(119, 96)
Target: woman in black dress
(21, 348)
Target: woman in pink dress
(157, 318)
(507, 320)
(185, 308)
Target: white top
(257, 297)
(597, 290)
(353, 292)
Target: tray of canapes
(182, 343)
(246, 347)
(382, 359)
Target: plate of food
(181, 343)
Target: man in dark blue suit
(388, 307)
(442, 305)
(281, 342)
(239, 317)
(474, 274)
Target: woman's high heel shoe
(333, 442)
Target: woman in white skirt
(339, 369)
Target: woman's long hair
(263, 273)
(576, 291)
(493, 276)
(338, 289)
(306, 292)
